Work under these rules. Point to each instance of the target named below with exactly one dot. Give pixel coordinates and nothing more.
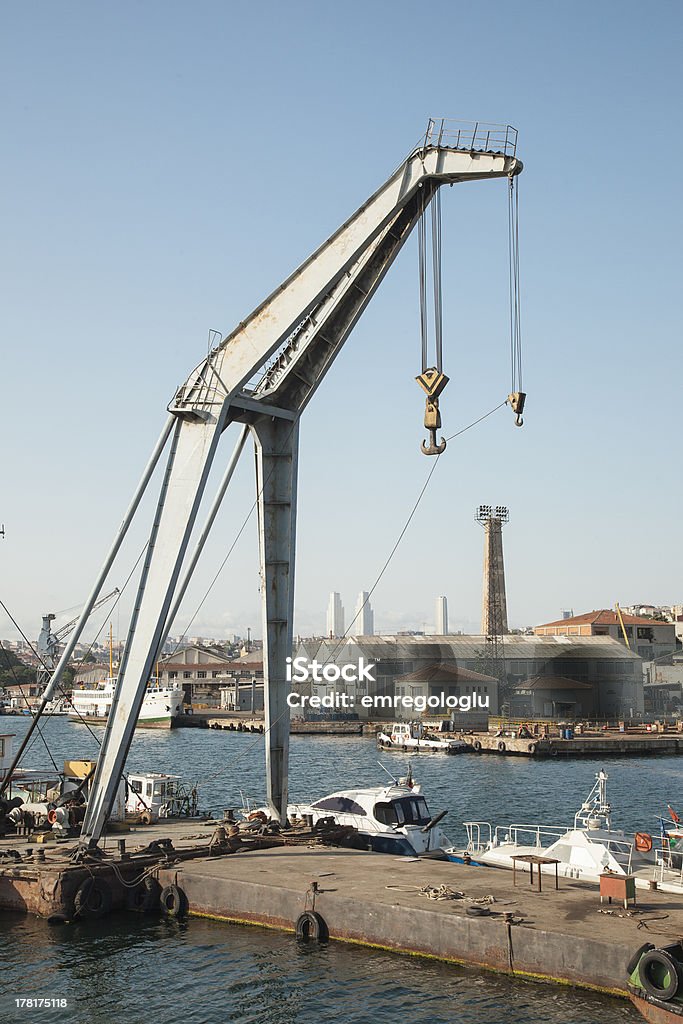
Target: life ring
(311, 925)
(144, 898)
(531, 748)
(635, 959)
(660, 989)
(173, 901)
(93, 898)
(52, 816)
(476, 746)
(501, 747)
(643, 843)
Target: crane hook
(517, 400)
(432, 381)
(433, 448)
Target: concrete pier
(372, 899)
(609, 745)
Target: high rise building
(364, 618)
(441, 616)
(335, 616)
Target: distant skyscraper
(441, 616)
(335, 616)
(364, 619)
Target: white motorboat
(414, 738)
(161, 704)
(392, 819)
(584, 851)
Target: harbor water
(136, 968)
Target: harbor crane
(263, 375)
(49, 642)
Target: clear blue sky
(166, 165)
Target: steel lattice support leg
(277, 450)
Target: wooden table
(533, 859)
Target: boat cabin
(152, 792)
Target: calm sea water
(137, 969)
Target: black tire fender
(501, 747)
(532, 748)
(173, 901)
(311, 925)
(93, 898)
(476, 746)
(144, 898)
(658, 958)
(475, 911)
(635, 959)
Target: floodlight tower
(494, 617)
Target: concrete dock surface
(375, 899)
(564, 936)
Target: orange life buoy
(643, 842)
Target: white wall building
(335, 616)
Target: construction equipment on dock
(262, 376)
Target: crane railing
(471, 136)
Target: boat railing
(479, 835)
(668, 863)
(546, 835)
(528, 835)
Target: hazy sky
(166, 165)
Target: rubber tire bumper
(311, 925)
(501, 747)
(661, 959)
(635, 959)
(93, 898)
(145, 897)
(173, 901)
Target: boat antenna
(392, 777)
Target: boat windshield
(410, 810)
(339, 803)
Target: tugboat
(655, 983)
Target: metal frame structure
(263, 375)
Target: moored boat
(583, 851)
(160, 707)
(414, 738)
(391, 819)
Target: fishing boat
(154, 796)
(392, 819)
(415, 737)
(584, 851)
(161, 705)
